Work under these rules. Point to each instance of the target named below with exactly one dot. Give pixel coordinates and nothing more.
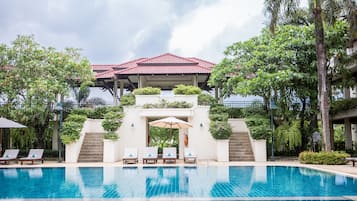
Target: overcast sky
(114, 31)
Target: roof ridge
(170, 54)
(134, 60)
(202, 60)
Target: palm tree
(333, 9)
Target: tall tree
(275, 8)
(30, 89)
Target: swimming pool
(253, 182)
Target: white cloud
(209, 24)
(111, 31)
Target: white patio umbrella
(6, 123)
(170, 122)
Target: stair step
(240, 148)
(92, 148)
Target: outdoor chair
(34, 155)
(189, 156)
(130, 156)
(9, 155)
(150, 155)
(353, 159)
(169, 154)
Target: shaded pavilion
(164, 71)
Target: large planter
(110, 151)
(222, 150)
(141, 100)
(260, 150)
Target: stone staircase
(240, 148)
(92, 148)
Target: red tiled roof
(165, 70)
(162, 64)
(167, 59)
(101, 67)
(107, 74)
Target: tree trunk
(304, 135)
(322, 74)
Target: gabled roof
(168, 59)
(163, 64)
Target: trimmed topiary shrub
(206, 99)
(186, 90)
(98, 113)
(218, 109)
(70, 131)
(76, 118)
(219, 117)
(235, 112)
(82, 111)
(259, 127)
(220, 130)
(127, 99)
(323, 158)
(111, 123)
(147, 91)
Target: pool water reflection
(149, 182)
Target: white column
(348, 134)
(195, 80)
(115, 92)
(121, 92)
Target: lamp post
(272, 107)
(59, 108)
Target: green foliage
(219, 117)
(115, 109)
(111, 123)
(218, 109)
(343, 105)
(39, 75)
(71, 131)
(219, 126)
(235, 112)
(256, 108)
(165, 104)
(259, 127)
(323, 158)
(147, 91)
(220, 130)
(206, 99)
(127, 99)
(98, 113)
(161, 137)
(111, 136)
(82, 111)
(288, 136)
(186, 90)
(76, 118)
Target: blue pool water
(194, 182)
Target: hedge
(186, 90)
(323, 158)
(147, 91)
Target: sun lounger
(189, 156)
(9, 155)
(34, 155)
(169, 154)
(353, 159)
(130, 155)
(150, 155)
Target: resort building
(165, 72)
(346, 113)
